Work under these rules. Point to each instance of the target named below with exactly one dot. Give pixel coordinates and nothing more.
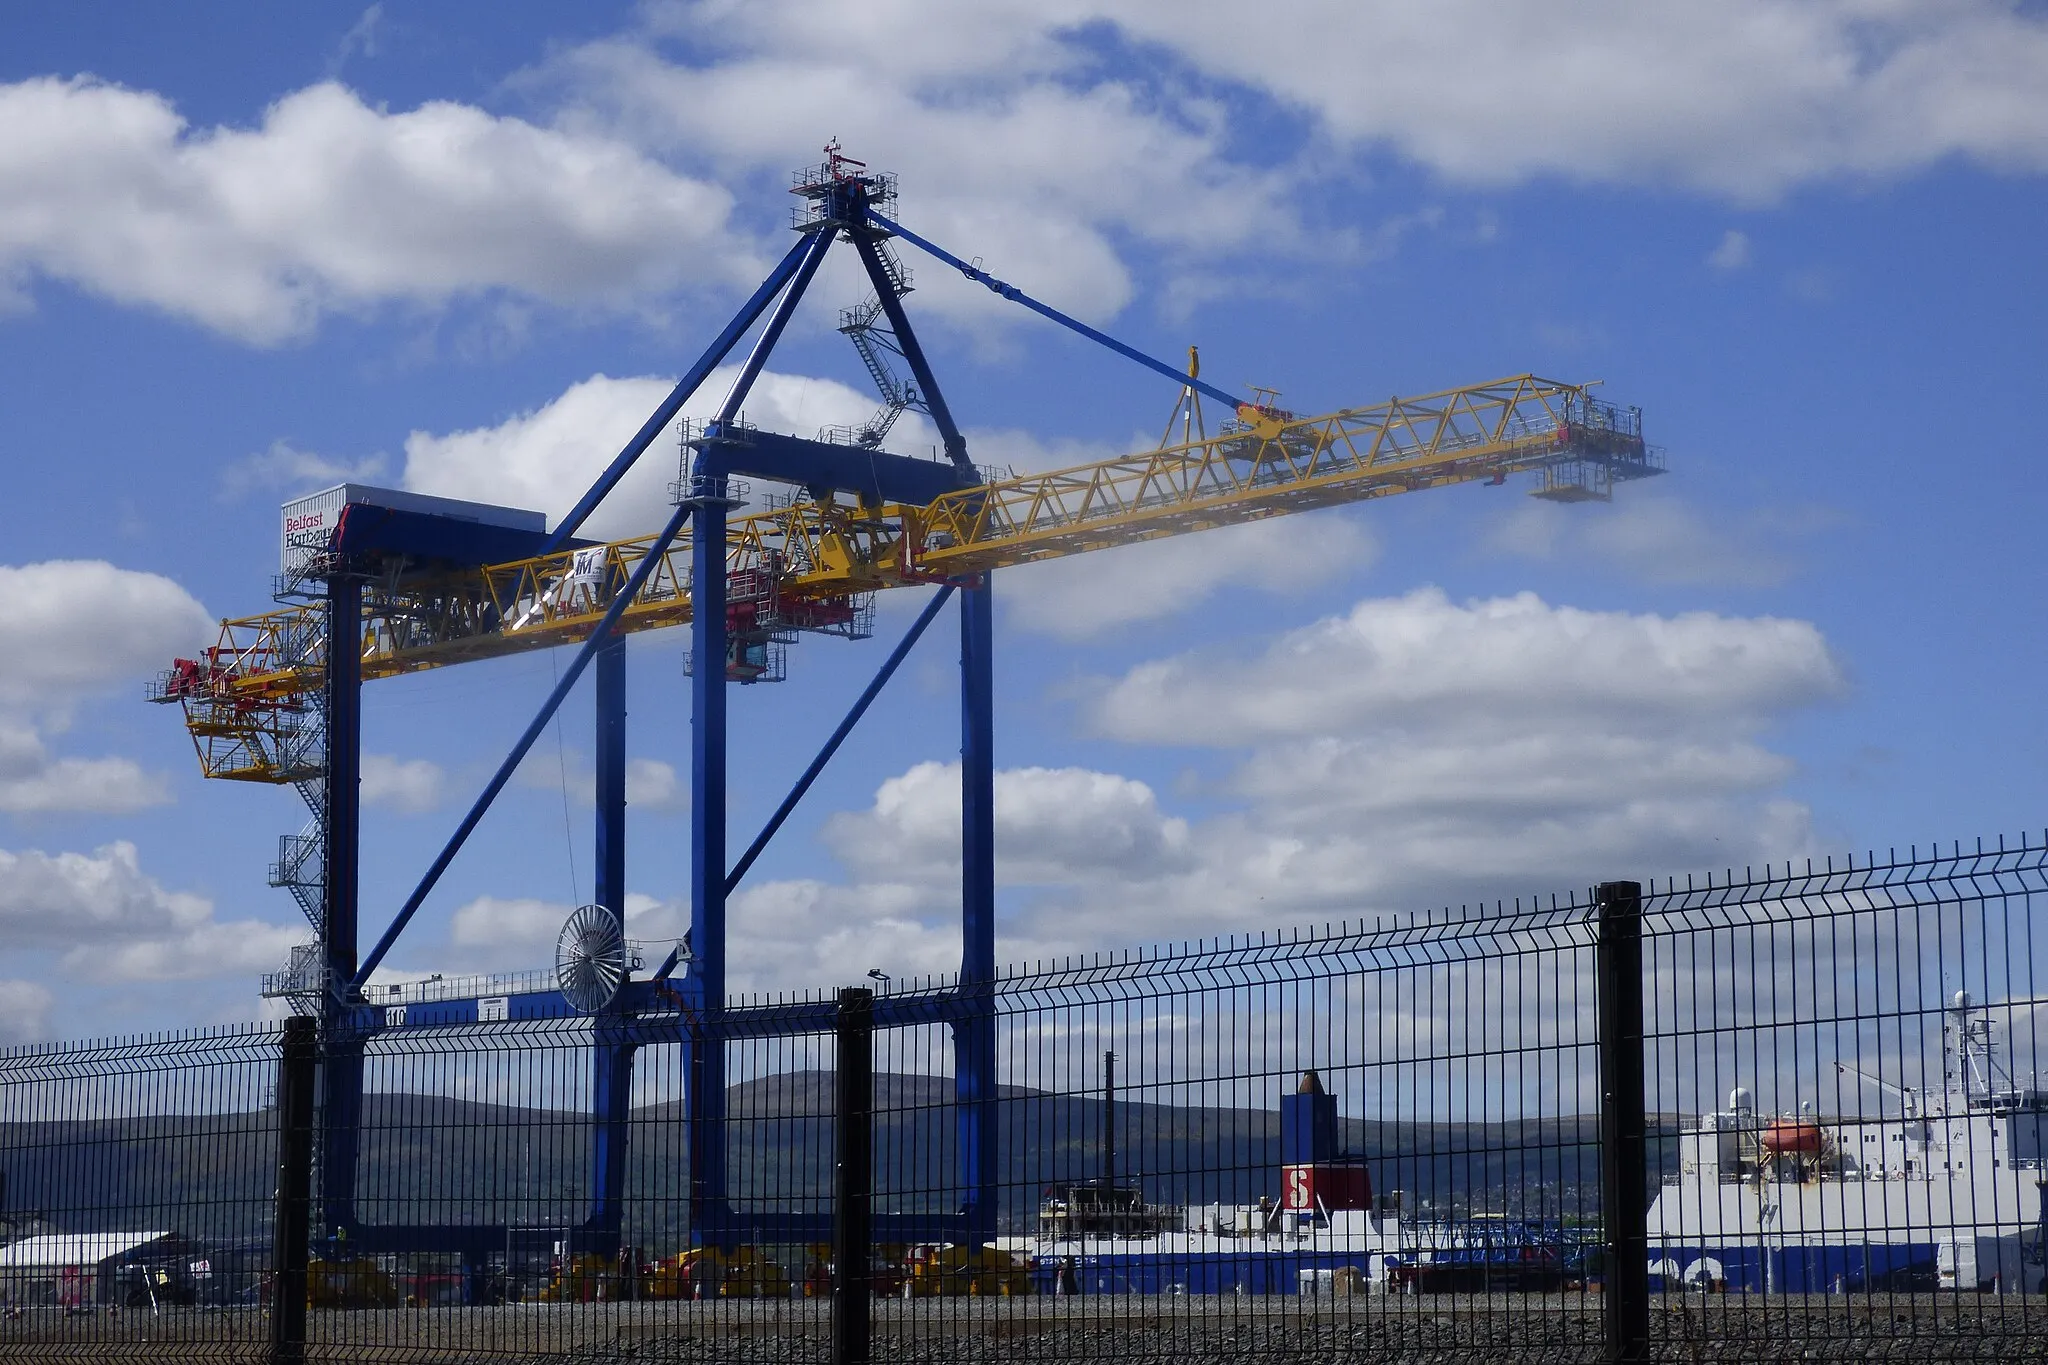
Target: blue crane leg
(610, 686)
(704, 1054)
(974, 1036)
(341, 1078)
(611, 1082)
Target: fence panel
(1845, 1058)
(136, 1184)
(1407, 1139)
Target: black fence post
(853, 1180)
(292, 1228)
(1624, 1136)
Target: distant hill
(436, 1159)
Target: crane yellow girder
(812, 560)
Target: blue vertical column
(704, 1053)
(974, 1035)
(341, 1072)
(611, 1082)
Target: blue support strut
(974, 1034)
(913, 352)
(341, 1075)
(612, 1048)
(678, 396)
(1016, 295)
(704, 1056)
(600, 638)
(831, 747)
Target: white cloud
(284, 467)
(491, 922)
(1086, 595)
(653, 785)
(1054, 826)
(332, 204)
(1659, 538)
(805, 933)
(109, 920)
(24, 1008)
(500, 933)
(33, 782)
(546, 458)
(1117, 122)
(69, 626)
(70, 629)
(1410, 753)
(1413, 660)
(407, 785)
(1732, 252)
(1010, 100)
(1747, 98)
(363, 37)
(980, 111)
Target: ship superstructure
(1945, 1194)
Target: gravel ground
(1437, 1330)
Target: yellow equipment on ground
(356, 1283)
(709, 1273)
(585, 1279)
(956, 1272)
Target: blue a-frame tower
(685, 1001)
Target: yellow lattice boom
(247, 700)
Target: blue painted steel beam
(610, 846)
(704, 1057)
(341, 1076)
(342, 785)
(611, 1082)
(813, 248)
(678, 396)
(600, 638)
(913, 351)
(876, 475)
(831, 747)
(648, 1014)
(974, 1036)
(388, 533)
(1016, 295)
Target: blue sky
(248, 250)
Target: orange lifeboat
(1792, 1137)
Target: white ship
(1326, 1233)
(1946, 1194)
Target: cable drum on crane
(590, 958)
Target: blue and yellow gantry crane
(393, 586)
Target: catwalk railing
(1748, 1118)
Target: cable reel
(591, 958)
